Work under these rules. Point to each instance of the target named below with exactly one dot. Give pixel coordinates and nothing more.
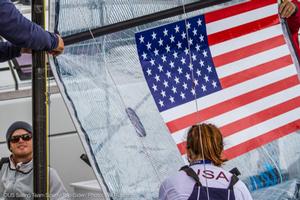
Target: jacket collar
(21, 167)
(199, 162)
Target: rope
(195, 95)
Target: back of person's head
(205, 141)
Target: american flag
(231, 67)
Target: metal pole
(39, 106)
(112, 28)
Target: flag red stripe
(247, 51)
(225, 106)
(261, 116)
(241, 30)
(182, 147)
(237, 9)
(255, 142)
(256, 71)
(261, 140)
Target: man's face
(21, 143)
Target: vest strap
(191, 173)
(233, 181)
(3, 160)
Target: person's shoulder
(242, 191)
(54, 177)
(175, 178)
(4, 162)
(53, 173)
(240, 185)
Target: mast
(40, 110)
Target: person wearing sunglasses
(16, 175)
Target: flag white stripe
(228, 93)
(252, 61)
(246, 40)
(240, 19)
(180, 136)
(245, 111)
(185, 160)
(261, 128)
(257, 106)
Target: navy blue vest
(200, 192)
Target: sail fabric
(125, 132)
(100, 84)
(236, 64)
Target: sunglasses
(25, 137)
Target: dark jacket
(21, 33)
(294, 25)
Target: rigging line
(195, 95)
(119, 94)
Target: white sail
(128, 140)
